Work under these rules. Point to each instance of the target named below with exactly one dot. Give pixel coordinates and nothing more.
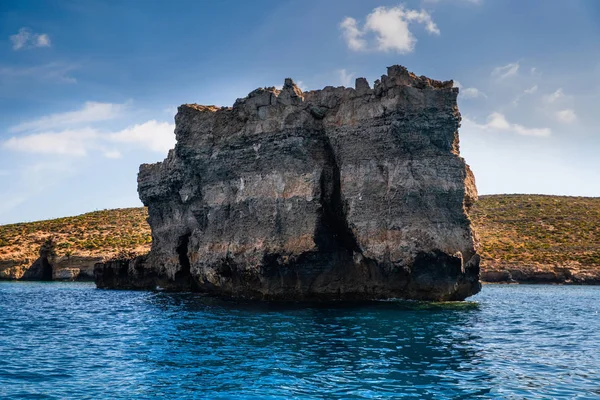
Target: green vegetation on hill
(99, 233)
(514, 230)
(536, 229)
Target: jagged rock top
(291, 94)
(265, 109)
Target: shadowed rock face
(337, 193)
(42, 268)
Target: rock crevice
(339, 193)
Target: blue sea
(72, 341)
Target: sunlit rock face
(333, 194)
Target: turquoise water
(69, 340)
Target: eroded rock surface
(337, 193)
(41, 269)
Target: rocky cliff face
(337, 193)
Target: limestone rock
(41, 269)
(66, 274)
(338, 193)
(80, 268)
(13, 269)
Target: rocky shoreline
(73, 268)
(106, 271)
(541, 274)
(94, 269)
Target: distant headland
(522, 239)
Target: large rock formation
(337, 193)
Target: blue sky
(88, 89)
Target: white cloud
(43, 40)
(497, 122)
(69, 142)
(153, 135)
(51, 72)
(526, 92)
(390, 27)
(26, 39)
(566, 116)
(472, 93)
(553, 97)
(301, 86)
(150, 135)
(469, 93)
(464, 1)
(506, 71)
(352, 34)
(112, 154)
(345, 77)
(90, 112)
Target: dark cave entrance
(46, 274)
(184, 277)
(333, 232)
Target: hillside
(538, 238)
(79, 241)
(522, 238)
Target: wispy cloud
(345, 77)
(497, 122)
(352, 34)
(73, 133)
(566, 116)
(554, 97)
(68, 142)
(506, 71)
(91, 111)
(459, 1)
(150, 135)
(301, 86)
(526, 92)
(470, 92)
(54, 72)
(27, 39)
(389, 27)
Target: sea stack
(332, 194)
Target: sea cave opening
(46, 269)
(184, 276)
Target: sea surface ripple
(70, 340)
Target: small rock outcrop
(42, 269)
(340, 193)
